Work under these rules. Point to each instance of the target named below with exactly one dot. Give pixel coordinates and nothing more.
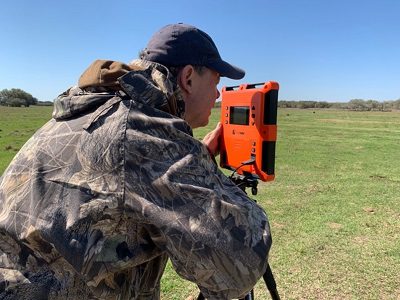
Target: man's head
(193, 53)
(182, 44)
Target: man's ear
(185, 79)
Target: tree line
(354, 104)
(17, 98)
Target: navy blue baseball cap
(182, 44)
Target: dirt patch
(278, 225)
(333, 225)
(360, 239)
(370, 210)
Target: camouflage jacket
(102, 195)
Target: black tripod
(245, 181)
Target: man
(115, 184)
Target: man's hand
(213, 140)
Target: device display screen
(239, 115)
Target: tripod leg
(249, 296)
(200, 297)
(271, 283)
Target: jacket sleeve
(213, 233)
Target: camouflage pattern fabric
(102, 195)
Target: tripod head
(247, 180)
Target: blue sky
(316, 49)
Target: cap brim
(226, 70)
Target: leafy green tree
(322, 104)
(396, 104)
(9, 97)
(357, 104)
(16, 102)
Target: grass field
(17, 125)
(333, 207)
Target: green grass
(17, 125)
(333, 207)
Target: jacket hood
(76, 101)
(143, 81)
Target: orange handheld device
(248, 117)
